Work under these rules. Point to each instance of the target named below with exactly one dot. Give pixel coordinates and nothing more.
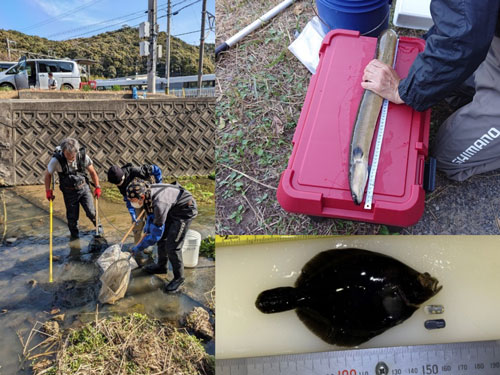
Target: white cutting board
(468, 268)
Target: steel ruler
(235, 240)
(471, 358)
(378, 147)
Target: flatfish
(347, 297)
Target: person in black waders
(72, 165)
(121, 177)
(170, 210)
(461, 64)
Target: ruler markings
(378, 146)
(476, 358)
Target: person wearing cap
(460, 63)
(72, 164)
(122, 176)
(172, 208)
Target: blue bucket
(369, 17)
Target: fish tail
(277, 300)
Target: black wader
(178, 221)
(76, 191)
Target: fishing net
(117, 266)
(97, 243)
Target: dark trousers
(73, 199)
(170, 245)
(468, 142)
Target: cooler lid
(321, 156)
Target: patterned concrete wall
(176, 134)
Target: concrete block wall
(177, 134)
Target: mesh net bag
(115, 281)
(117, 266)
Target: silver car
(34, 73)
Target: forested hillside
(116, 52)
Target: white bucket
(191, 248)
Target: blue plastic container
(134, 93)
(369, 17)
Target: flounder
(347, 297)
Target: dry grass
(133, 344)
(262, 87)
(10, 94)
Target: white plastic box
(413, 14)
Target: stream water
(26, 296)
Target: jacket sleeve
(456, 45)
(156, 171)
(150, 170)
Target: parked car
(4, 65)
(34, 73)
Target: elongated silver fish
(366, 121)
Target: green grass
(130, 344)
(202, 188)
(207, 247)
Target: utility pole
(167, 47)
(202, 45)
(8, 48)
(152, 7)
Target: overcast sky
(67, 19)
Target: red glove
(97, 192)
(50, 195)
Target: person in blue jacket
(122, 176)
(462, 53)
(170, 209)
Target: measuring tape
(472, 358)
(230, 240)
(378, 146)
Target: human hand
(382, 80)
(136, 250)
(134, 217)
(50, 195)
(97, 192)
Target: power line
(106, 27)
(133, 18)
(191, 32)
(122, 20)
(71, 31)
(52, 19)
(186, 6)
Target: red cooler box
(316, 180)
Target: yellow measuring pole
(51, 203)
(230, 240)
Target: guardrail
(193, 93)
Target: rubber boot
(161, 266)
(174, 285)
